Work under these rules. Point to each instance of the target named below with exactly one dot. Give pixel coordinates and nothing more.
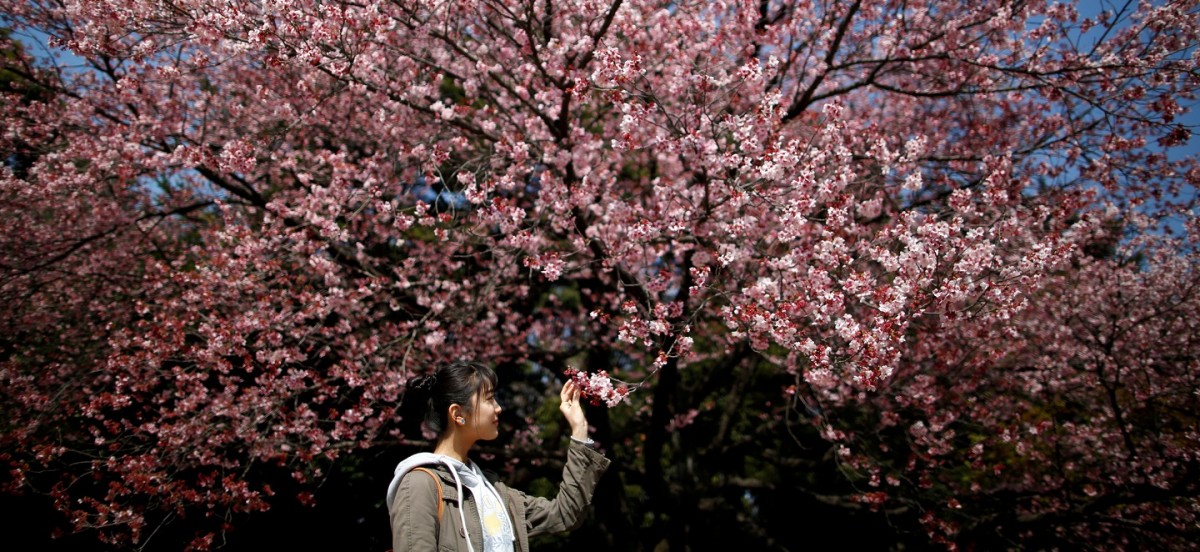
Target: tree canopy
(923, 268)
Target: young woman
(443, 501)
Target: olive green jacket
(414, 511)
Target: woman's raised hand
(572, 410)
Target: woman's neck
(448, 446)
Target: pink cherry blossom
(956, 242)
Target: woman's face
(486, 419)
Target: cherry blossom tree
(951, 239)
(1071, 424)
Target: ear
(453, 411)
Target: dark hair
(455, 383)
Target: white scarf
(497, 527)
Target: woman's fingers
(572, 410)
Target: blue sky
(1091, 8)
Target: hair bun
(424, 383)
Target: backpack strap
(438, 483)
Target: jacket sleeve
(414, 514)
(566, 510)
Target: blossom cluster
(598, 388)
